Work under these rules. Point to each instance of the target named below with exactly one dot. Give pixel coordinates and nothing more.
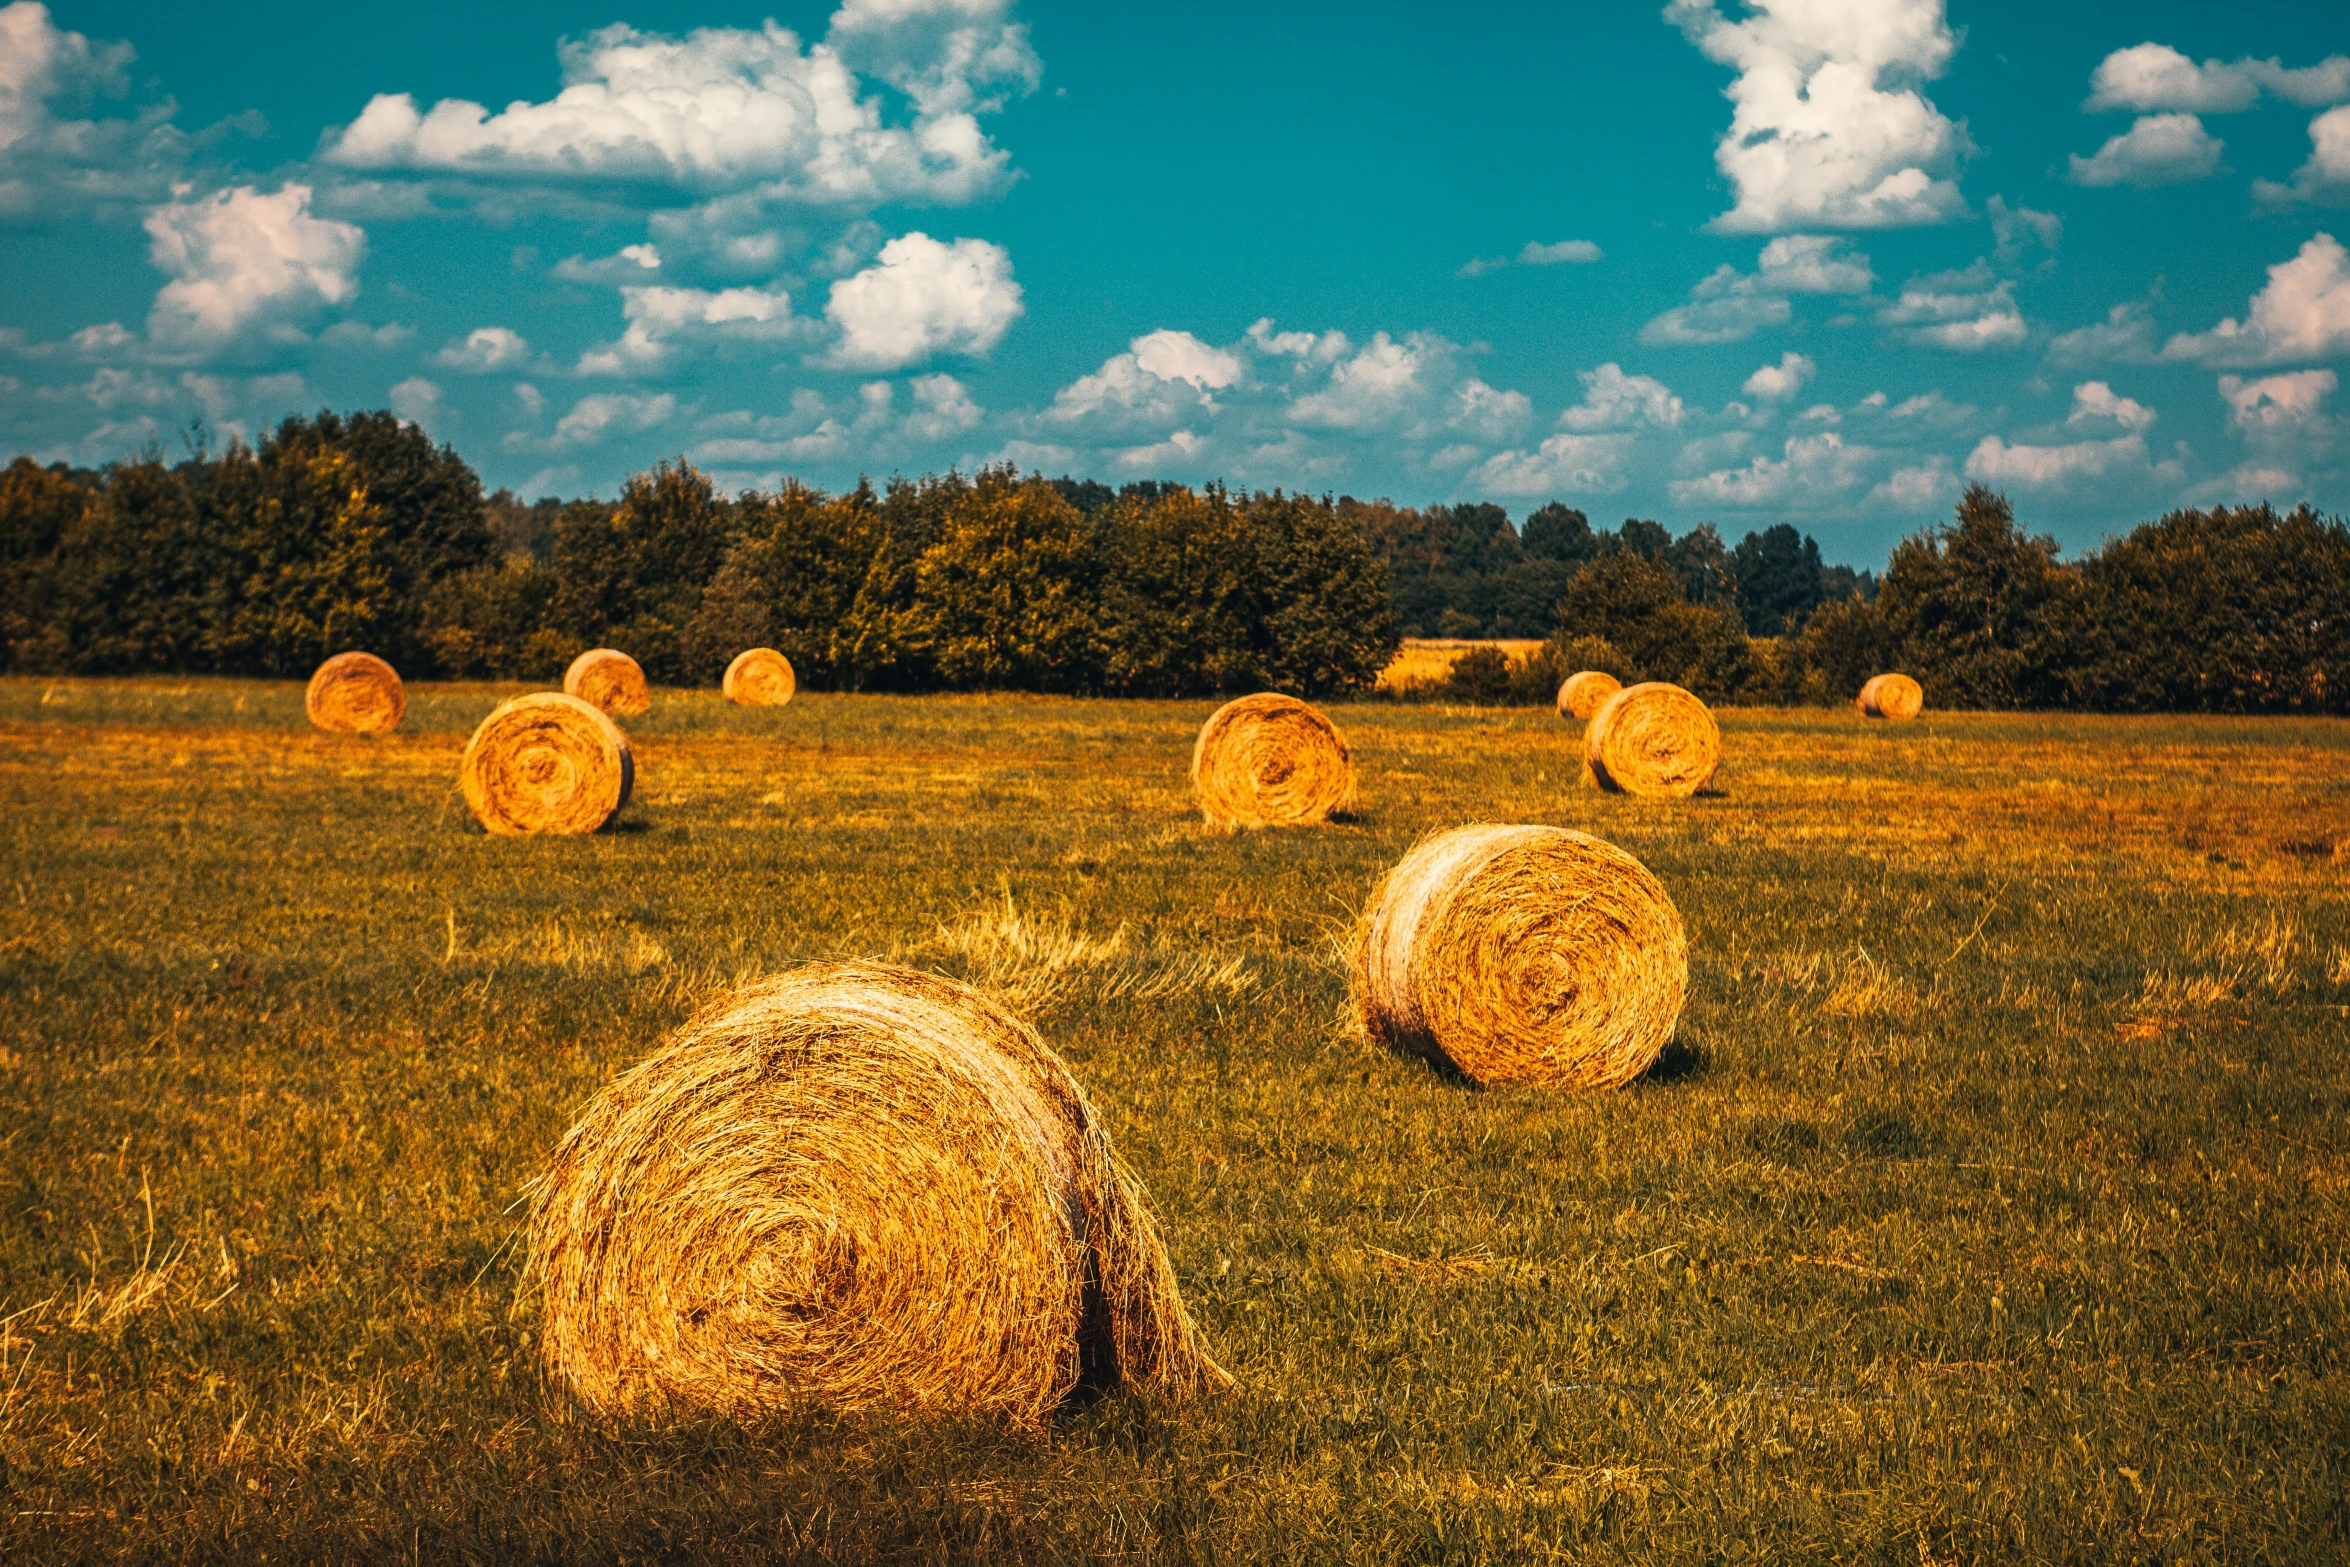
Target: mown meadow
(1992, 1203)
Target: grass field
(1992, 1204)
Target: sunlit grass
(1992, 1204)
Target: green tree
(1979, 610)
(1780, 579)
(1005, 596)
(2231, 610)
(40, 508)
(631, 575)
(311, 568)
(1324, 599)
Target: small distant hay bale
(1270, 760)
(1523, 955)
(546, 763)
(1652, 739)
(611, 680)
(1892, 696)
(356, 694)
(1585, 691)
(852, 1186)
(759, 677)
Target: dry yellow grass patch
(1426, 661)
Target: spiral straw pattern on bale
(852, 1185)
(1892, 696)
(1270, 760)
(1523, 955)
(759, 677)
(546, 763)
(1582, 693)
(1654, 739)
(356, 694)
(611, 680)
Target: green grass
(1991, 1205)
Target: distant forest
(344, 531)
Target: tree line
(343, 531)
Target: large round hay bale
(546, 763)
(1270, 760)
(356, 694)
(1892, 696)
(759, 677)
(1652, 738)
(1582, 693)
(610, 679)
(1523, 955)
(851, 1185)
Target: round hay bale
(759, 677)
(1583, 692)
(356, 694)
(1892, 696)
(610, 679)
(1523, 955)
(1270, 760)
(546, 763)
(853, 1186)
(1652, 738)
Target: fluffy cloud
(2095, 402)
(240, 259)
(2125, 336)
(1613, 400)
(2277, 404)
(924, 298)
(2155, 77)
(658, 317)
(596, 419)
(729, 109)
(1380, 386)
(1731, 305)
(2019, 230)
(1966, 311)
(2303, 313)
(1777, 383)
(814, 431)
(2325, 179)
(2066, 465)
(486, 349)
(1562, 465)
(1537, 254)
(1162, 377)
(2157, 149)
(48, 162)
(417, 400)
(1811, 471)
(1826, 132)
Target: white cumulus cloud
(1829, 128)
(2094, 401)
(48, 160)
(1730, 305)
(1967, 311)
(240, 259)
(1811, 471)
(597, 418)
(2065, 465)
(924, 298)
(2325, 179)
(730, 109)
(486, 349)
(1561, 465)
(660, 316)
(2155, 77)
(2277, 402)
(1776, 383)
(2303, 313)
(2157, 149)
(1613, 400)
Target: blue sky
(1818, 261)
